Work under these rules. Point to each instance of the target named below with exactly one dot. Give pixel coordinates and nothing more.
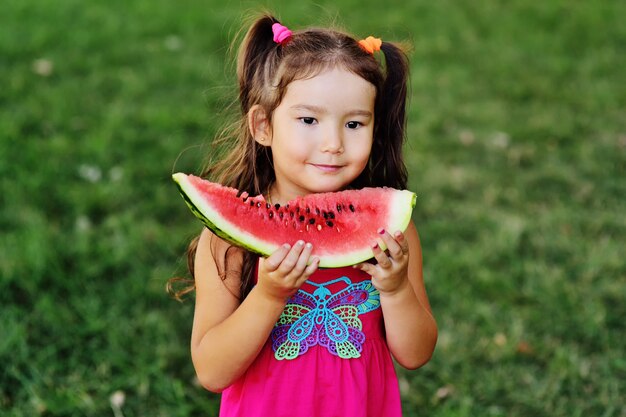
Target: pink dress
(326, 357)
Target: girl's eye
(308, 120)
(353, 125)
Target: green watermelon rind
(402, 207)
(225, 232)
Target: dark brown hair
(264, 71)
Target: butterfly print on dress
(325, 319)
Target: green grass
(517, 152)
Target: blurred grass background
(517, 150)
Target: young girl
(278, 336)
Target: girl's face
(321, 134)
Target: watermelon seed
(317, 211)
(251, 203)
(311, 221)
(325, 215)
(339, 208)
(331, 215)
(267, 206)
(308, 210)
(319, 227)
(280, 214)
(271, 214)
(276, 206)
(329, 223)
(258, 204)
(351, 208)
(301, 218)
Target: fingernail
(309, 246)
(381, 231)
(375, 246)
(286, 246)
(300, 243)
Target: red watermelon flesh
(342, 225)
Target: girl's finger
(303, 259)
(366, 267)
(381, 257)
(394, 248)
(291, 259)
(401, 239)
(308, 271)
(273, 261)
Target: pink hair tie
(281, 33)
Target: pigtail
(391, 126)
(246, 165)
(254, 52)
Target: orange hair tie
(371, 44)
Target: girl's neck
(268, 195)
(275, 195)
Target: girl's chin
(329, 188)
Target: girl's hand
(390, 273)
(284, 271)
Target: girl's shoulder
(217, 259)
(212, 246)
(209, 240)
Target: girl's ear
(259, 125)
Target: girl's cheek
(298, 147)
(364, 153)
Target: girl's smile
(327, 168)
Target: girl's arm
(410, 327)
(227, 336)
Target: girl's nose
(333, 141)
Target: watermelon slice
(342, 226)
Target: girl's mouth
(327, 168)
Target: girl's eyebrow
(308, 107)
(322, 110)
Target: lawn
(516, 149)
